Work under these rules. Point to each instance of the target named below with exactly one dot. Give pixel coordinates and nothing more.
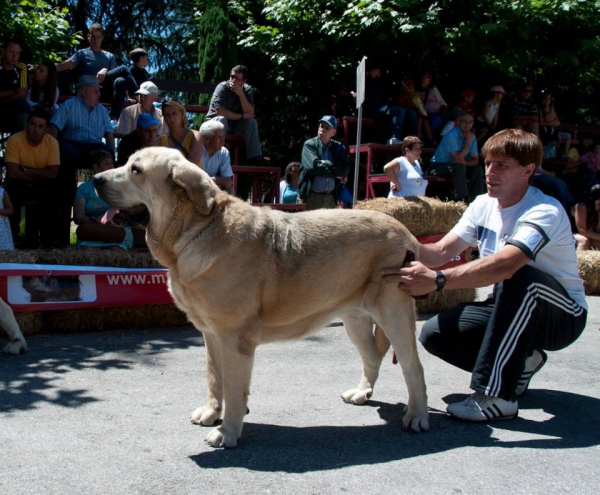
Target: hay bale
(421, 216)
(30, 323)
(446, 299)
(589, 271)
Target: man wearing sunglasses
(232, 104)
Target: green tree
(217, 46)
(42, 29)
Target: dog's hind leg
(372, 346)
(237, 356)
(398, 321)
(17, 344)
(210, 413)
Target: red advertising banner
(28, 287)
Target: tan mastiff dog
(246, 276)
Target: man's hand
(101, 75)
(238, 89)
(414, 277)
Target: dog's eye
(135, 170)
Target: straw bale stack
(589, 271)
(91, 319)
(422, 217)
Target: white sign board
(360, 82)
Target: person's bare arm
(15, 171)
(390, 169)
(79, 216)
(63, 66)
(223, 182)
(7, 206)
(418, 280)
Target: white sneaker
(482, 408)
(394, 141)
(533, 364)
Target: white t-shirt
(411, 179)
(537, 224)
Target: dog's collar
(207, 225)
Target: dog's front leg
(17, 344)
(237, 354)
(210, 413)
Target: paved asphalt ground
(108, 413)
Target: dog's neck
(157, 235)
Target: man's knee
(430, 336)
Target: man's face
(36, 128)
(11, 54)
(465, 124)
(506, 178)
(91, 96)
(375, 73)
(147, 135)
(95, 38)
(526, 92)
(215, 142)
(147, 102)
(143, 61)
(236, 79)
(326, 132)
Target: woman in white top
(406, 176)
(487, 122)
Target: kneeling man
(527, 251)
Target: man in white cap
(324, 163)
(148, 94)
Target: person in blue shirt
(451, 159)
(215, 160)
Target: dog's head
(146, 187)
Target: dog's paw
(16, 347)
(357, 396)
(219, 438)
(416, 423)
(206, 416)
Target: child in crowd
(6, 240)
(590, 154)
(88, 209)
(139, 57)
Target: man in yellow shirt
(32, 160)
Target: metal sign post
(360, 97)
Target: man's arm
(418, 280)
(66, 65)
(312, 163)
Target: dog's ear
(199, 187)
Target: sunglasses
(168, 100)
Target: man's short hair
(136, 54)
(523, 146)
(210, 128)
(40, 113)
(241, 69)
(96, 27)
(11, 41)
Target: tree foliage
(41, 27)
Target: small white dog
(17, 344)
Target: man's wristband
(242, 116)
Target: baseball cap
(330, 120)
(146, 120)
(88, 81)
(497, 89)
(147, 88)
